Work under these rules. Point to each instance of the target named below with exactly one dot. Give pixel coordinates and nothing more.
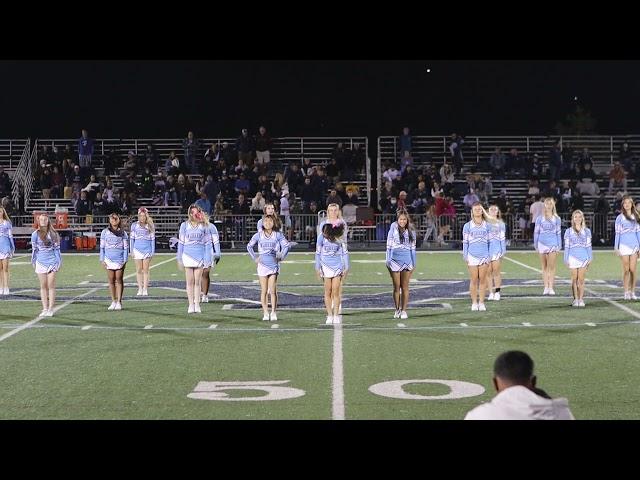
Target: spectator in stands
(147, 182)
(151, 158)
(263, 145)
(436, 189)
(190, 146)
(497, 163)
(419, 199)
(242, 185)
(406, 160)
(5, 181)
(308, 169)
(130, 165)
(617, 178)
(518, 398)
(409, 178)
(332, 170)
(109, 162)
(514, 166)
(405, 141)
(535, 210)
(391, 173)
(601, 208)
(321, 184)
(308, 193)
(77, 182)
(534, 188)
(57, 183)
(241, 167)
(501, 201)
(66, 153)
(352, 195)
(446, 177)
(173, 165)
(204, 203)
(46, 183)
(587, 184)
(577, 201)
(568, 158)
(109, 188)
(211, 158)
(67, 167)
(585, 157)
(211, 187)
(245, 147)
(129, 186)
(83, 205)
(341, 155)
(334, 198)
(430, 226)
(339, 187)
(535, 168)
(626, 157)
(257, 204)
(241, 207)
(295, 179)
(91, 188)
(555, 161)
(553, 190)
(85, 150)
(469, 199)
(455, 147)
(359, 158)
(402, 201)
(229, 154)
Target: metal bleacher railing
(10, 149)
(21, 174)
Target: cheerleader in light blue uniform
(46, 258)
(114, 252)
(475, 251)
(547, 241)
(7, 249)
(497, 250)
(143, 248)
(272, 249)
(332, 262)
(627, 245)
(401, 260)
(206, 278)
(577, 255)
(194, 253)
(334, 214)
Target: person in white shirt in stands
(391, 173)
(535, 210)
(518, 398)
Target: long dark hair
(331, 233)
(410, 228)
(274, 219)
(119, 232)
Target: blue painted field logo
(458, 389)
(218, 391)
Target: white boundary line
(66, 304)
(337, 384)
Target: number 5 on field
(217, 391)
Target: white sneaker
(6, 292)
(340, 309)
(49, 313)
(576, 303)
(204, 299)
(43, 313)
(546, 291)
(265, 316)
(139, 294)
(403, 315)
(496, 296)
(396, 314)
(627, 296)
(196, 308)
(552, 291)
(337, 319)
(118, 306)
(474, 307)
(191, 309)
(482, 308)
(274, 317)
(632, 296)
(112, 306)
(581, 303)
(490, 297)
(145, 293)
(329, 320)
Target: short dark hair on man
(514, 366)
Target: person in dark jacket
(263, 147)
(190, 146)
(85, 150)
(245, 147)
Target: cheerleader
(194, 253)
(577, 255)
(401, 260)
(475, 251)
(272, 249)
(46, 258)
(497, 250)
(332, 262)
(114, 253)
(7, 249)
(143, 248)
(627, 245)
(548, 242)
(270, 209)
(206, 279)
(334, 214)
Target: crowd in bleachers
(235, 178)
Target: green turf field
(153, 361)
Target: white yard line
(65, 304)
(337, 384)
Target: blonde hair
(634, 211)
(339, 214)
(554, 213)
(583, 226)
(4, 215)
(55, 238)
(499, 216)
(149, 220)
(485, 215)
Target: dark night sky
(217, 98)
